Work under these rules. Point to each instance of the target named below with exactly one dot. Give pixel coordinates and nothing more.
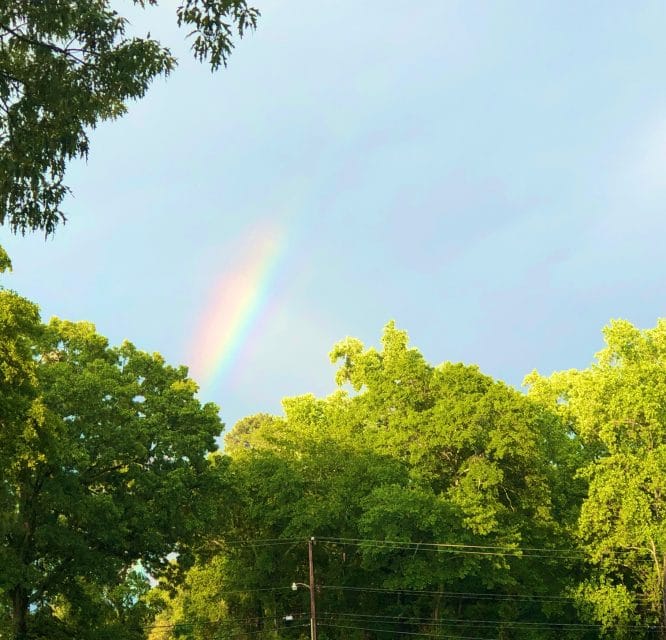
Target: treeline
(442, 503)
(445, 504)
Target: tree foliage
(617, 407)
(416, 455)
(442, 503)
(104, 473)
(65, 67)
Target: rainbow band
(234, 307)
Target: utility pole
(312, 588)
(313, 611)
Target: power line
(465, 549)
(224, 621)
(475, 622)
(252, 590)
(442, 544)
(260, 542)
(455, 594)
(402, 633)
(244, 634)
(517, 553)
(464, 594)
(499, 550)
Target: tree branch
(46, 45)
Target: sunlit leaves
(618, 408)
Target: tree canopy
(617, 407)
(381, 476)
(104, 469)
(441, 502)
(65, 67)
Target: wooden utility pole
(313, 611)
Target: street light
(311, 588)
(313, 618)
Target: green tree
(19, 327)
(104, 472)
(5, 262)
(65, 67)
(616, 409)
(413, 454)
(484, 463)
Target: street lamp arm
(295, 585)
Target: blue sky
(490, 175)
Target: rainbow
(237, 301)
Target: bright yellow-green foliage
(415, 453)
(5, 262)
(617, 407)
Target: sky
(491, 175)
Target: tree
(65, 67)
(617, 410)
(414, 456)
(484, 462)
(104, 472)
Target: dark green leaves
(103, 465)
(213, 23)
(65, 67)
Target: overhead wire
(473, 622)
(465, 549)
(456, 594)
(225, 621)
(253, 590)
(244, 634)
(401, 633)
(440, 544)
(259, 542)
